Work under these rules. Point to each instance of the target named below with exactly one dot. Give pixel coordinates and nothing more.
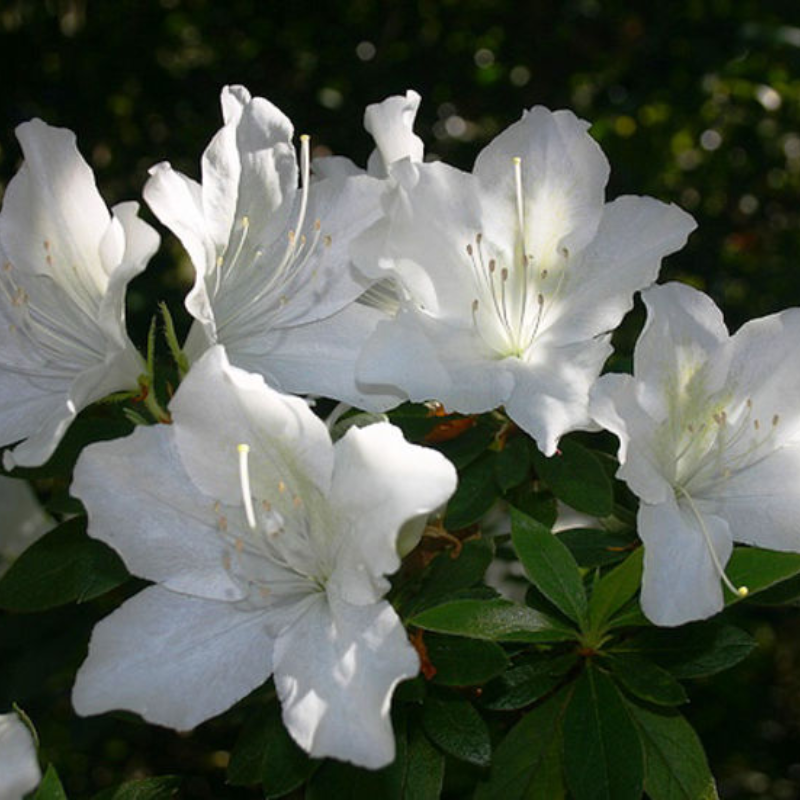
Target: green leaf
(615, 589)
(497, 620)
(692, 651)
(50, 788)
(474, 496)
(602, 751)
(63, 566)
(463, 449)
(526, 683)
(675, 764)
(577, 478)
(424, 769)
(527, 763)
(266, 754)
(453, 725)
(447, 575)
(592, 547)
(538, 504)
(464, 662)
(646, 680)
(512, 464)
(161, 788)
(759, 569)
(549, 565)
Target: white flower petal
(613, 405)
(684, 327)
(680, 581)
(551, 391)
(19, 766)
(142, 503)
(220, 407)
(335, 671)
(173, 659)
(426, 359)
(380, 482)
(391, 124)
(564, 174)
(316, 357)
(635, 233)
(762, 502)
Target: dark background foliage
(695, 102)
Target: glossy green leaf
(161, 788)
(602, 751)
(512, 464)
(577, 478)
(50, 788)
(497, 620)
(614, 589)
(465, 448)
(424, 770)
(454, 726)
(464, 662)
(540, 504)
(475, 495)
(646, 680)
(526, 683)
(64, 566)
(759, 569)
(527, 763)
(692, 651)
(451, 571)
(266, 754)
(592, 547)
(675, 764)
(549, 565)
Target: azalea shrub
(396, 519)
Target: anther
(244, 479)
(504, 274)
(492, 265)
(281, 487)
(775, 420)
(328, 241)
(756, 424)
(469, 250)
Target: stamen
(518, 188)
(741, 591)
(244, 479)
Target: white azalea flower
(709, 430)
(64, 266)
(19, 766)
(269, 547)
(274, 281)
(514, 275)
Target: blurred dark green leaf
(646, 680)
(464, 662)
(528, 682)
(161, 788)
(592, 547)
(266, 754)
(675, 764)
(50, 788)
(64, 566)
(759, 569)
(577, 478)
(454, 725)
(614, 589)
(602, 750)
(474, 496)
(527, 762)
(549, 565)
(512, 464)
(497, 620)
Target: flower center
(275, 553)
(514, 293)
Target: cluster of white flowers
(267, 543)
